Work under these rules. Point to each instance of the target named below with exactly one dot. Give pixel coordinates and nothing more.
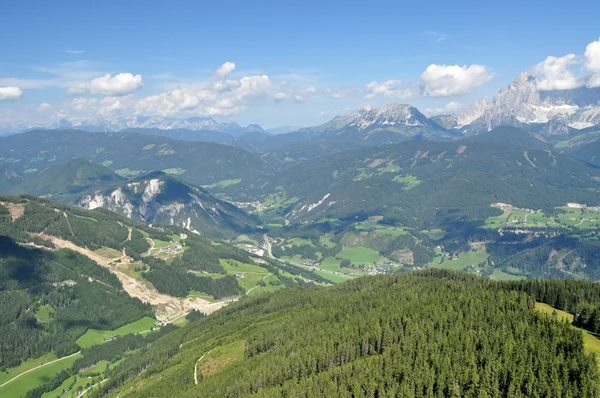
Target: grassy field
(223, 183)
(70, 387)
(500, 275)
(463, 260)
(20, 386)
(578, 140)
(25, 366)
(298, 242)
(373, 227)
(108, 252)
(566, 217)
(331, 278)
(253, 274)
(409, 181)
(325, 240)
(360, 255)
(128, 173)
(44, 314)
(333, 265)
(175, 171)
(95, 336)
(590, 342)
(435, 234)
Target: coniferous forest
(430, 333)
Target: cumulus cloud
(221, 97)
(118, 85)
(225, 70)
(592, 63)
(554, 73)
(448, 80)
(286, 92)
(44, 106)
(10, 93)
(390, 89)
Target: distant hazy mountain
(100, 124)
(391, 123)
(282, 129)
(161, 199)
(522, 104)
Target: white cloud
(450, 107)
(592, 63)
(448, 80)
(286, 92)
(75, 51)
(225, 70)
(118, 85)
(438, 36)
(10, 93)
(44, 106)
(554, 73)
(83, 104)
(390, 89)
(222, 97)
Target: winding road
(257, 286)
(38, 367)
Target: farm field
(252, 275)
(25, 366)
(463, 260)
(332, 278)
(73, 384)
(500, 275)
(566, 217)
(20, 386)
(95, 336)
(360, 255)
(325, 240)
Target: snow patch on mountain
(522, 102)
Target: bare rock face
(522, 103)
(162, 200)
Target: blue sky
(295, 62)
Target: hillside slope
(131, 155)
(160, 199)
(431, 333)
(418, 182)
(64, 181)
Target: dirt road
(38, 367)
(167, 307)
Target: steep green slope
(421, 183)
(9, 179)
(50, 298)
(512, 136)
(64, 181)
(588, 153)
(431, 333)
(131, 155)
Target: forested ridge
(428, 333)
(50, 298)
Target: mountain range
(520, 104)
